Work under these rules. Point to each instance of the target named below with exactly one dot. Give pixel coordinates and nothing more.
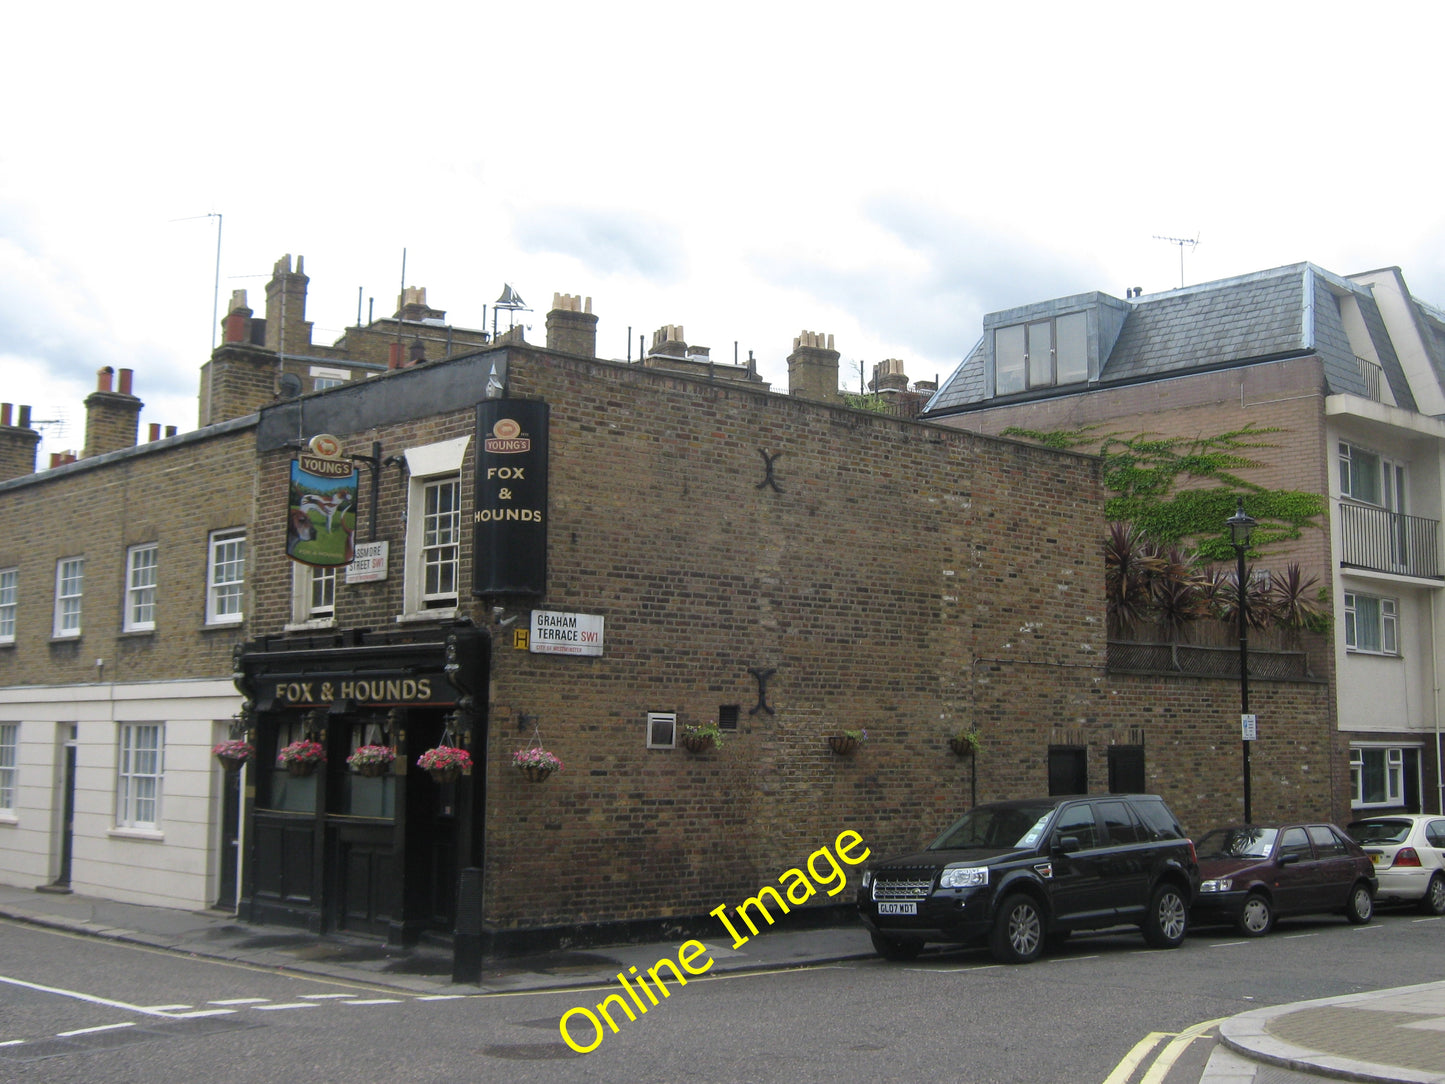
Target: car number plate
(898, 908)
(1377, 858)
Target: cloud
(608, 241)
(944, 274)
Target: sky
(886, 174)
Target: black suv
(1015, 874)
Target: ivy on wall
(1143, 475)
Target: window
(1327, 844)
(1126, 769)
(323, 378)
(9, 759)
(69, 582)
(1120, 823)
(1377, 776)
(1296, 842)
(141, 564)
(434, 528)
(313, 594)
(138, 782)
(441, 542)
(1041, 354)
(662, 730)
(1371, 624)
(9, 588)
(1369, 479)
(1078, 821)
(1068, 769)
(225, 577)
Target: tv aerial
(1181, 242)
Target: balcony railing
(1213, 662)
(1386, 541)
(1373, 376)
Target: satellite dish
(290, 385)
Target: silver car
(1408, 850)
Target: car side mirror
(1067, 844)
(1288, 859)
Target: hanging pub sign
(510, 521)
(322, 505)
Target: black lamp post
(1241, 527)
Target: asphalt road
(82, 1010)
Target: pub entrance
(333, 846)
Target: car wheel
(1257, 918)
(891, 948)
(1362, 905)
(1018, 931)
(1167, 920)
(1433, 902)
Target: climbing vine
(1143, 474)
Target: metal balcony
(1385, 541)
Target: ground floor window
(9, 750)
(1384, 776)
(1126, 769)
(1068, 769)
(138, 784)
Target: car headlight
(964, 877)
(1223, 884)
(867, 877)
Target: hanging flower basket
(232, 754)
(445, 762)
(965, 743)
(536, 764)
(846, 743)
(371, 760)
(301, 757)
(699, 739)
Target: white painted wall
(174, 866)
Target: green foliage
(1143, 474)
(877, 404)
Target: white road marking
(88, 1031)
(1228, 944)
(13, 1042)
(200, 1012)
(287, 1005)
(240, 1001)
(442, 997)
(376, 1001)
(167, 1008)
(324, 997)
(83, 997)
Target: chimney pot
(4, 413)
(103, 378)
(170, 430)
(24, 417)
(126, 375)
(155, 431)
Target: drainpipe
(1435, 704)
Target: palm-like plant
(1293, 601)
(1177, 592)
(1130, 563)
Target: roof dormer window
(1041, 353)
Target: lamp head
(1241, 526)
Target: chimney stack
(813, 367)
(571, 327)
(286, 304)
(17, 443)
(112, 418)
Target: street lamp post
(1241, 527)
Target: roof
(1288, 311)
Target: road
(84, 1010)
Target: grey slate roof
(1286, 311)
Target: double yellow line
(1167, 1057)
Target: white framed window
(9, 765)
(142, 564)
(1371, 479)
(313, 594)
(225, 577)
(323, 377)
(140, 766)
(1377, 776)
(661, 730)
(69, 586)
(434, 528)
(1371, 624)
(9, 600)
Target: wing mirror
(1067, 844)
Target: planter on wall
(842, 744)
(301, 768)
(371, 771)
(697, 743)
(446, 775)
(534, 773)
(232, 764)
(961, 747)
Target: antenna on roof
(1181, 242)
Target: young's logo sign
(321, 524)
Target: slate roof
(1286, 311)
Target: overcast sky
(883, 173)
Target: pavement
(1395, 1035)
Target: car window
(1238, 843)
(1380, 830)
(1078, 821)
(1157, 818)
(1295, 842)
(1120, 823)
(1326, 845)
(1435, 833)
(996, 827)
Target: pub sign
(510, 521)
(321, 524)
